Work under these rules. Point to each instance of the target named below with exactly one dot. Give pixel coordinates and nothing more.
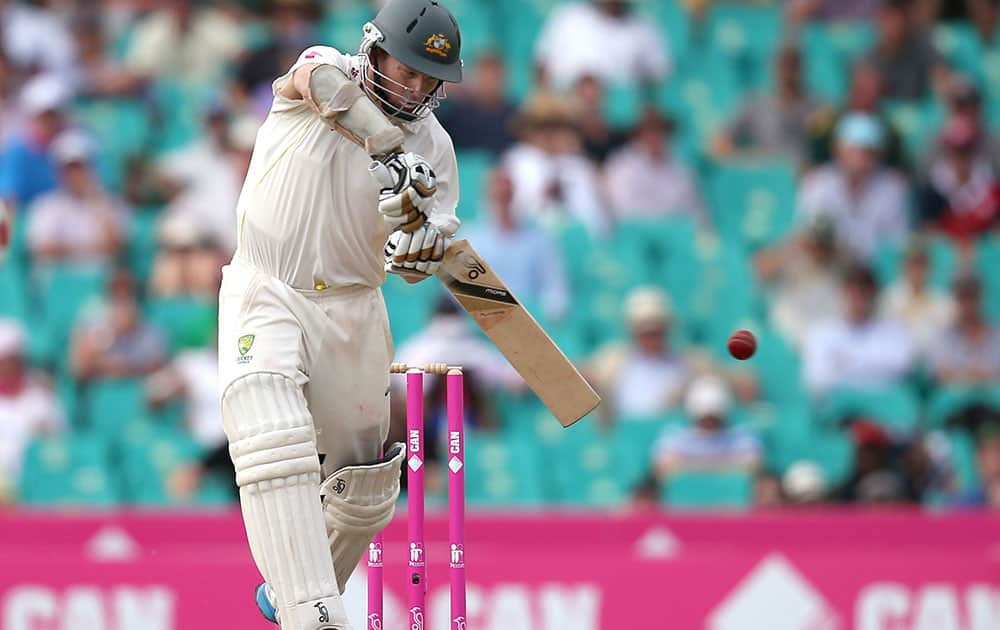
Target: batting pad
(358, 502)
(273, 446)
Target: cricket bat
(510, 326)
(517, 335)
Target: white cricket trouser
(334, 344)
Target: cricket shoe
(264, 597)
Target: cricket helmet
(421, 34)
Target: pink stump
(416, 584)
(456, 498)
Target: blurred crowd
(646, 175)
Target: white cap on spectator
(11, 338)
(804, 481)
(73, 146)
(179, 231)
(707, 396)
(647, 306)
(44, 93)
(243, 132)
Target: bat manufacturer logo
(324, 615)
(374, 622)
(340, 486)
(474, 268)
(459, 623)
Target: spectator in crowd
(115, 342)
(804, 483)
(449, 337)
(192, 377)
(79, 221)
(767, 491)
(26, 167)
(10, 114)
(921, 309)
(202, 180)
(803, 276)
(969, 352)
(527, 259)
(186, 41)
(187, 264)
(987, 468)
(800, 11)
(876, 479)
(859, 349)
(99, 74)
(600, 38)
(480, 116)
(985, 17)
(599, 139)
(27, 406)
(553, 179)
(865, 95)
(866, 202)
(644, 180)
(964, 102)
(645, 377)
(961, 195)
(776, 123)
(35, 38)
(904, 54)
(293, 28)
(707, 443)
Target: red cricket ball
(742, 344)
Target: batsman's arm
(342, 105)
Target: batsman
(330, 203)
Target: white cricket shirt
(308, 212)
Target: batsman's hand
(422, 250)
(408, 184)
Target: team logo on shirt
(244, 345)
(437, 44)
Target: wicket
(416, 563)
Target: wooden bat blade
(539, 361)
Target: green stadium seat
(65, 290)
(183, 106)
(889, 261)
(895, 408)
(149, 454)
(959, 44)
(410, 306)
(622, 105)
(187, 321)
(917, 123)
(829, 50)
(501, 470)
(14, 296)
(703, 95)
(143, 244)
(68, 470)
(708, 490)
(778, 368)
(832, 451)
(110, 404)
(748, 35)
(946, 401)
(121, 128)
(474, 167)
(753, 202)
(963, 459)
(988, 264)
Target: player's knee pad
(358, 502)
(270, 431)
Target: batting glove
(408, 184)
